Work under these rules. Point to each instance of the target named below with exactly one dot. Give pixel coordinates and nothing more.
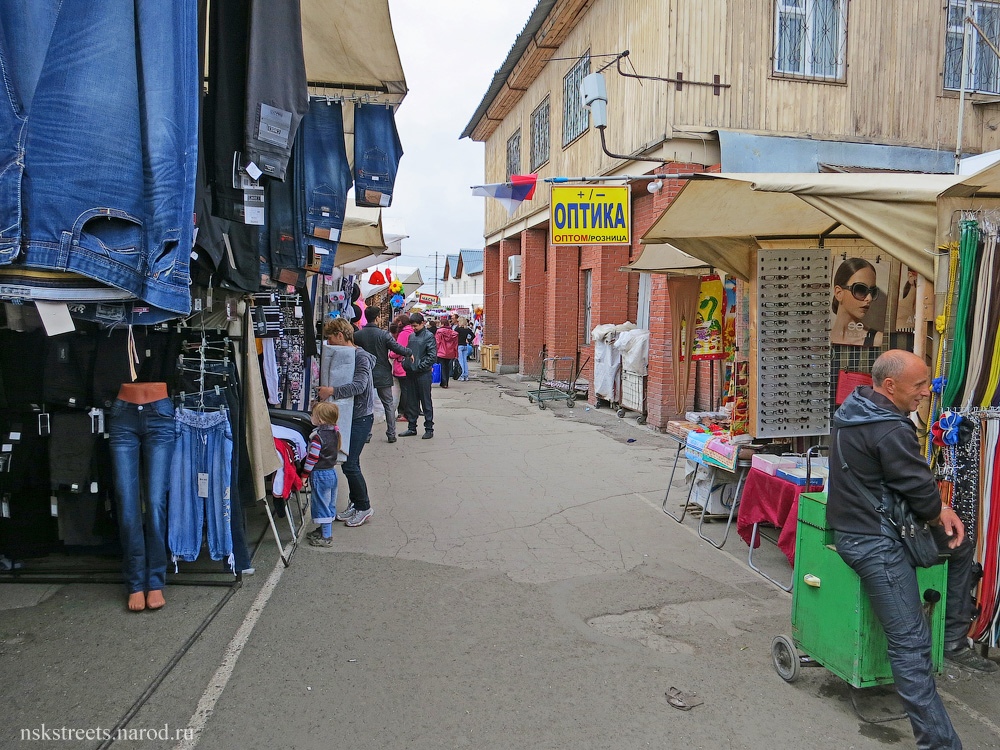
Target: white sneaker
(360, 517)
(347, 514)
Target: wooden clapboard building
(705, 85)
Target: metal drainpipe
(966, 38)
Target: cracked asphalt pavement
(518, 587)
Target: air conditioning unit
(514, 268)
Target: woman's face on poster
(857, 295)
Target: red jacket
(447, 343)
(402, 338)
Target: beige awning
(665, 258)
(720, 218)
(350, 48)
(361, 236)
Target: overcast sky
(450, 50)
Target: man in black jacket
(874, 440)
(418, 369)
(378, 342)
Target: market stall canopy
(411, 278)
(350, 48)
(665, 258)
(719, 218)
(361, 236)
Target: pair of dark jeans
(419, 398)
(98, 178)
(361, 428)
(142, 448)
(324, 177)
(385, 396)
(377, 152)
(891, 584)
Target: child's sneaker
(360, 517)
(316, 533)
(321, 541)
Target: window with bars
(514, 154)
(810, 39)
(984, 66)
(540, 135)
(576, 117)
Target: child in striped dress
(320, 470)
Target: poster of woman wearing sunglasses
(859, 302)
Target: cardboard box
(770, 464)
(798, 476)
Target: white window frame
(805, 13)
(588, 303)
(645, 295)
(541, 127)
(514, 154)
(984, 70)
(576, 117)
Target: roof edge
(538, 16)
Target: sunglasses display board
(790, 337)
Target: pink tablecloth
(767, 499)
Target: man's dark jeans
(420, 398)
(891, 584)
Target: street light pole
(435, 273)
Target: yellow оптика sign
(590, 215)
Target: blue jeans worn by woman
(891, 584)
(200, 486)
(142, 447)
(361, 428)
(99, 142)
(463, 357)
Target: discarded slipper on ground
(683, 701)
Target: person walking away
(874, 440)
(418, 370)
(464, 346)
(319, 470)
(378, 342)
(402, 333)
(447, 350)
(339, 332)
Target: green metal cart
(832, 619)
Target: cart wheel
(541, 405)
(785, 658)
(531, 399)
(621, 413)
(571, 402)
(640, 420)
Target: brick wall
(533, 300)
(491, 293)
(562, 294)
(510, 310)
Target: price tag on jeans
(54, 506)
(5, 507)
(202, 484)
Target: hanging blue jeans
(142, 446)
(377, 152)
(98, 142)
(324, 178)
(200, 486)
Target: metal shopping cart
(556, 382)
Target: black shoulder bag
(918, 540)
